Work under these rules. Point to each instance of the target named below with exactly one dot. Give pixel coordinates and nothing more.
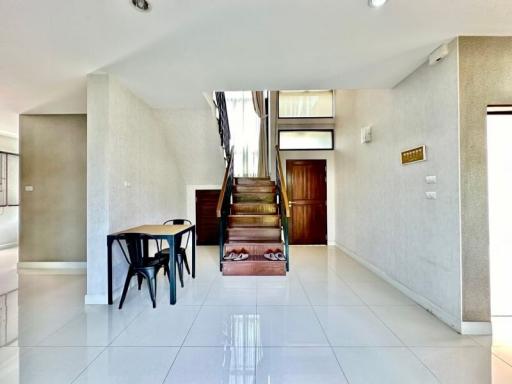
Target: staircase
(253, 225)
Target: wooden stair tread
(255, 189)
(254, 208)
(253, 181)
(253, 221)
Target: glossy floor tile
(416, 327)
(355, 327)
(197, 365)
(383, 365)
(330, 320)
(298, 366)
(47, 365)
(468, 365)
(219, 326)
(289, 326)
(132, 365)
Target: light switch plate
(29, 188)
(431, 195)
(366, 135)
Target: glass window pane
(3, 179)
(13, 172)
(306, 104)
(313, 139)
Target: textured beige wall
(53, 161)
(485, 78)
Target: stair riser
(251, 248)
(255, 189)
(263, 182)
(254, 209)
(248, 268)
(254, 234)
(254, 197)
(254, 221)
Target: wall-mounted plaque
(414, 155)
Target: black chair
(181, 253)
(140, 266)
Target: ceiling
(183, 47)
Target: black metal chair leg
(179, 267)
(166, 272)
(185, 261)
(154, 282)
(139, 281)
(125, 289)
(151, 291)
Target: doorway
(207, 223)
(499, 162)
(307, 192)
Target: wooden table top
(156, 230)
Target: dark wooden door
(307, 192)
(207, 224)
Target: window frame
(333, 109)
(7, 154)
(305, 130)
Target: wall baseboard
(437, 311)
(45, 267)
(476, 328)
(8, 245)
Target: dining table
(168, 233)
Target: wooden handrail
(223, 191)
(282, 182)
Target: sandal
(279, 255)
(243, 255)
(269, 255)
(231, 256)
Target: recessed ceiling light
(376, 3)
(141, 5)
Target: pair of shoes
(276, 255)
(237, 256)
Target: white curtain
(244, 125)
(258, 99)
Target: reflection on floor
(328, 321)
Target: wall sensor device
(438, 55)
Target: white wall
(198, 151)
(126, 144)
(382, 215)
(8, 215)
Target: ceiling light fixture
(141, 5)
(376, 3)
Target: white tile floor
(329, 321)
